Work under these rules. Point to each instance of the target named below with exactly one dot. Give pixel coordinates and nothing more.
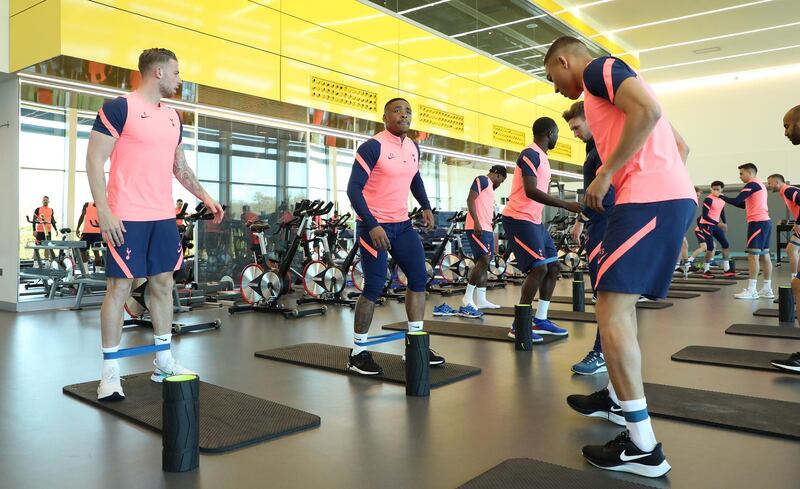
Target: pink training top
(756, 204)
(386, 168)
(791, 195)
(713, 209)
(656, 172)
(484, 204)
(140, 180)
(532, 162)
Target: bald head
(564, 64)
(791, 125)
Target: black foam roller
(523, 317)
(181, 423)
(785, 304)
(418, 375)
(578, 293)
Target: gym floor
(372, 435)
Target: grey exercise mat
(692, 288)
(788, 332)
(698, 281)
(717, 276)
(766, 313)
(334, 358)
(741, 413)
(470, 330)
(228, 419)
(585, 317)
(674, 294)
(527, 473)
(563, 299)
(730, 357)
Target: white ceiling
(652, 41)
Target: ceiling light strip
(518, 21)
(433, 4)
(720, 58)
(682, 17)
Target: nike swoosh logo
(144, 116)
(628, 458)
(616, 409)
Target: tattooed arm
(184, 174)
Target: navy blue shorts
(595, 230)
(705, 235)
(91, 238)
(758, 234)
(530, 242)
(481, 246)
(407, 253)
(149, 248)
(642, 245)
(719, 235)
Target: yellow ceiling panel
(315, 45)
(34, 35)
(239, 21)
(107, 35)
(422, 121)
(428, 81)
(436, 51)
(348, 17)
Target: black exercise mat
(563, 299)
(789, 332)
(526, 473)
(716, 276)
(733, 411)
(692, 288)
(672, 294)
(766, 313)
(470, 330)
(697, 281)
(334, 358)
(228, 419)
(730, 357)
(585, 317)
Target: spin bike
(324, 279)
(262, 289)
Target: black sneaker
(363, 364)
(597, 405)
(622, 455)
(791, 364)
(435, 359)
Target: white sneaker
(172, 368)
(643, 299)
(486, 305)
(766, 294)
(747, 294)
(110, 388)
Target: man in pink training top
(753, 198)
(791, 196)
(644, 158)
(136, 213)
(480, 204)
(791, 129)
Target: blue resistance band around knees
(136, 350)
(382, 338)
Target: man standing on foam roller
(596, 222)
(527, 237)
(791, 129)
(386, 167)
(480, 203)
(753, 198)
(644, 158)
(136, 213)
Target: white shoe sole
(113, 393)
(749, 297)
(785, 367)
(638, 469)
(599, 370)
(541, 332)
(617, 419)
(359, 371)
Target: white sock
(110, 363)
(706, 267)
(481, 295)
(612, 393)
(164, 356)
(726, 265)
(359, 338)
(468, 294)
(690, 259)
(637, 420)
(767, 284)
(751, 285)
(541, 309)
(415, 325)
